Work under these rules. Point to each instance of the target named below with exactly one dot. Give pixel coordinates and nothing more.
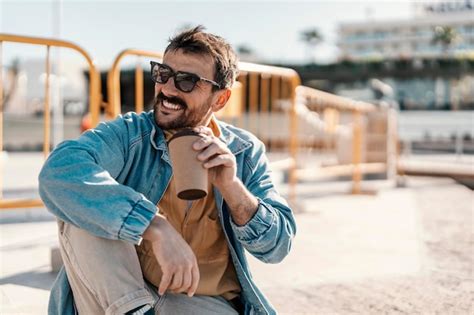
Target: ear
(220, 99)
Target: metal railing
(265, 90)
(261, 94)
(331, 107)
(94, 102)
(113, 81)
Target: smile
(170, 106)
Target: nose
(168, 88)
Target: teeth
(171, 106)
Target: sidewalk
(401, 251)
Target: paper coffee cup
(190, 177)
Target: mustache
(173, 99)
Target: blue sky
(270, 28)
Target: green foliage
(311, 36)
(446, 36)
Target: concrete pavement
(340, 238)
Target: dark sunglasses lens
(185, 82)
(160, 73)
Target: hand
(216, 157)
(176, 259)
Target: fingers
(187, 280)
(204, 130)
(177, 281)
(177, 261)
(185, 283)
(210, 151)
(180, 280)
(223, 159)
(204, 142)
(195, 280)
(213, 152)
(165, 282)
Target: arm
(241, 202)
(261, 219)
(177, 260)
(268, 234)
(77, 184)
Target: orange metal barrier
(330, 106)
(263, 89)
(94, 101)
(113, 81)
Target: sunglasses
(183, 81)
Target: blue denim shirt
(111, 178)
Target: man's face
(175, 109)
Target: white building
(372, 40)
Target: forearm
(241, 202)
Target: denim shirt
(111, 178)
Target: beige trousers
(106, 278)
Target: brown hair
(196, 41)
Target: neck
(206, 119)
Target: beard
(185, 116)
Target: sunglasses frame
(174, 75)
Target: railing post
(46, 113)
(139, 87)
(113, 93)
(113, 82)
(356, 151)
(243, 79)
(264, 113)
(1, 119)
(295, 82)
(94, 103)
(253, 92)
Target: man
(129, 245)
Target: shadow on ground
(34, 279)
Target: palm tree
(312, 38)
(245, 52)
(446, 36)
(243, 49)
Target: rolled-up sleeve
(78, 185)
(258, 225)
(269, 233)
(139, 218)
